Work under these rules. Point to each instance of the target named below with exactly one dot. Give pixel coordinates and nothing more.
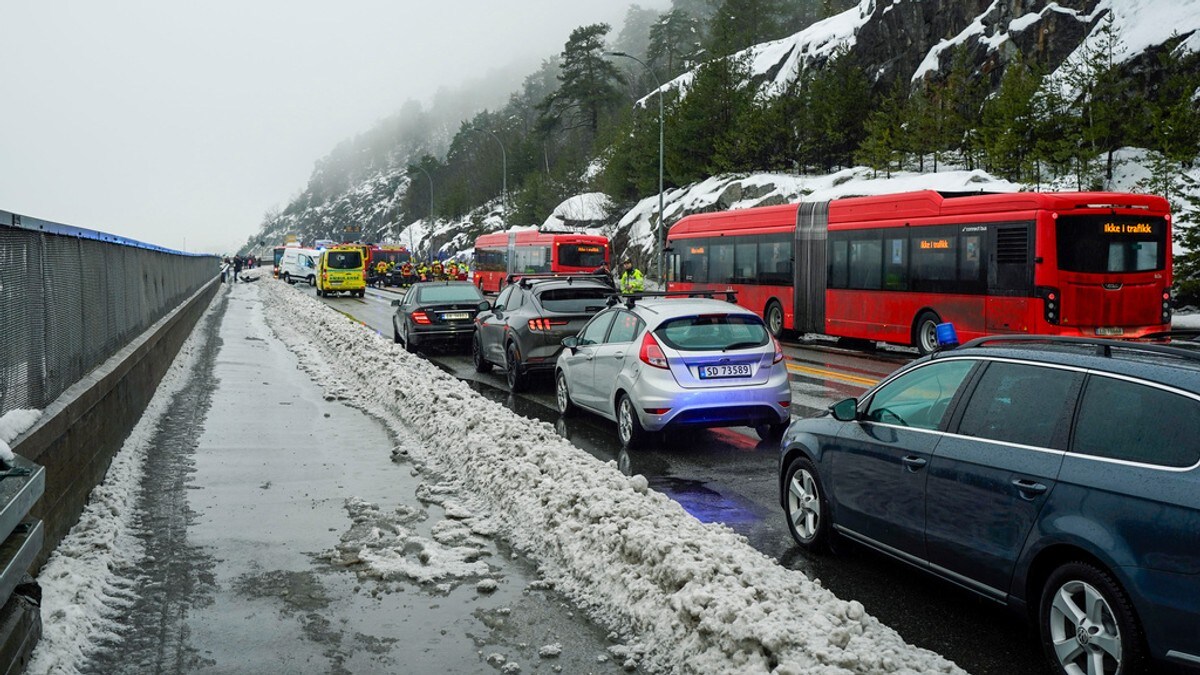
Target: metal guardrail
(70, 298)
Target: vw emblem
(1082, 635)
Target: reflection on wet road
(728, 476)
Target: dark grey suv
(523, 331)
(1057, 476)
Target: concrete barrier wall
(80, 433)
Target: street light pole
(411, 248)
(503, 170)
(661, 222)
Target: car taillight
(778, 351)
(420, 317)
(657, 411)
(544, 324)
(651, 354)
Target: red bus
(530, 252)
(890, 268)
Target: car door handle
(589, 357)
(914, 463)
(619, 355)
(1029, 486)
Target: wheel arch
(801, 446)
(1043, 563)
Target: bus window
(745, 262)
(970, 262)
(934, 259)
(1111, 244)
(865, 259)
(839, 263)
(693, 261)
(720, 263)
(775, 260)
(589, 256)
(895, 263)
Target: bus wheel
(925, 332)
(774, 317)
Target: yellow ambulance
(342, 269)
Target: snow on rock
(13, 424)
(696, 597)
(81, 584)
(579, 210)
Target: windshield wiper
(742, 345)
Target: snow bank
(13, 424)
(80, 585)
(694, 597)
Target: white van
(299, 264)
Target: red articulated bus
(531, 252)
(891, 267)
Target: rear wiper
(742, 345)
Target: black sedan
(437, 312)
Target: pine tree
(673, 39)
(1187, 235)
(587, 86)
(705, 118)
(1009, 124)
(881, 148)
(738, 24)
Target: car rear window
(344, 260)
(712, 332)
(574, 299)
(457, 293)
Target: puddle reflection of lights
(707, 505)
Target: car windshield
(344, 260)
(455, 293)
(589, 256)
(574, 299)
(712, 332)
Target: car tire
(512, 367)
(629, 425)
(410, 345)
(482, 365)
(925, 332)
(1110, 623)
(396, 334)
(563, 395)
(805, 505)
(319, 293)
(312, 281)
(773, 317)
(771, 432)
(287, 279)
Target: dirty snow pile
(695, 597)
(81, 588)
(13, 424)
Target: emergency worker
(436, 271)
(406, 274)
(632, 280)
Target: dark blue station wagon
(1057, 476)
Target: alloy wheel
(804, 504)
(1084, 630)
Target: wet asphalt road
(242, 511)
(729, 476)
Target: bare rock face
(900, 34)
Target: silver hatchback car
(658, 363)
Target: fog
(180, 124)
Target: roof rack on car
(1102, 346)
(632, 298)
(526, 279)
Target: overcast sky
(180, 123)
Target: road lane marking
(831, 375)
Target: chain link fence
(71, 298)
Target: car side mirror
(845, 411)
(395, 303)
(571, 343)
(485, 306)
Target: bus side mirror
(846, 410)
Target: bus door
(1009, 277)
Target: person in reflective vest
(632, 280)
(406, 274)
